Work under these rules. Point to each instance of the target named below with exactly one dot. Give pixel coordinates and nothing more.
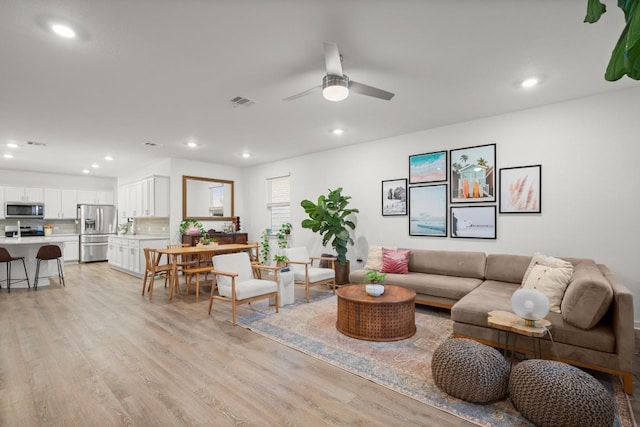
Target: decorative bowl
(374, 290)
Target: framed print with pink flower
(521, 189)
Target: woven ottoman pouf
(551, 393)
(470, 371)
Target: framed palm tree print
(473, 174)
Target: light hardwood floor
(98, 353)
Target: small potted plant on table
(375, 282)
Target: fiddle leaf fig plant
(328, 217)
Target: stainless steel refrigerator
(95, 224)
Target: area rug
(403, 366)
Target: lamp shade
(530, 304)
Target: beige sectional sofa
(594, 330)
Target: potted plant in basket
(280, 260)
(328, 217)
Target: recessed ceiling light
(63, 31)
(8, 156)
(12, 145)
(108, 158)
(192, 144)
(530, 82)
(85, 171)
(337, 131)
(246, 155)
(95, 166)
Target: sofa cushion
(549, 261)
(374, 259)
(587, 297)
(448, 263)
(395, 261)
(506, 268)
(492, 295)
(435, 285)
(552, 282)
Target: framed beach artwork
(394, 197)
(428, 167)
(473, 174)
(428, 210)
(473, 222)
(521, 189)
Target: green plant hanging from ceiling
(625, 58)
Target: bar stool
(45, 253)
(5, 256)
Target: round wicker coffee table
(388, 317)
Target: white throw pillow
(550, 281)
(549, 261)
(374, 259)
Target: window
(279, 201)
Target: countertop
(30, 240)
(140, 236)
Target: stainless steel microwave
(23, 210)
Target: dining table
(202, 251)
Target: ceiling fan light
(335, 88)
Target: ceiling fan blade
(332, 59)
(370, 91)
(301, 94)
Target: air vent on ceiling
(239, 101)
(36, 144)
(152, 144)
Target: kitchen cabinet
(148, 197)
(92, 197)
(24, 194)
(60, 203)
(71, 249)
(126, 253)
(123, 201)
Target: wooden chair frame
(153, 267)
(306, 282)
(233, 300)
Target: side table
(512, 323)
(286, 294)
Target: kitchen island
(28, 248)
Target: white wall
(49, 180)
(589, 150)
(207, 170)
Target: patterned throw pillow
(374, 259)
(395, 261)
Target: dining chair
(238, 284)
(304, 273)
(47, 253)
(153, 268)
(183, 261)
(6, 257)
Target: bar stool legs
(7, 258)
(48, 252)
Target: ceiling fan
(336, 85)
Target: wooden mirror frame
(186, 178)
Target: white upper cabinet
(24, 194)
(148, 197)
(60, 203)
(90, 197)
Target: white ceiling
(163, 71)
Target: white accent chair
(305, 273)
(237, 282)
